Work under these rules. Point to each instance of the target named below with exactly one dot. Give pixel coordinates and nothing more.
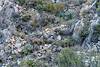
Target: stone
(59, 37)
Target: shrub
(32, 63)
(54, 8)
(98, 9)
(67, 42)
(26, 18)
(26, 15)
(98, 3)
(67, 58)
(27, 49)
(38, 41)
(67, 15)
(21, 2)
(84, 34)
(43, 5)
(78, 2)
(97, 29)
(40, 5)
(28, 63)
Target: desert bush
(54, 8)
(67, 15)
(67, 58)
(67, 42)
(84, 33)
(21, 2)
(32, 63)
(26, 18)
(42, 5)
(27, 49)
(28, 63)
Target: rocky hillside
(49, 33)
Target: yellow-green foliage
(67, 58)
(28, 63)
(55, 7)
(43, 5)
(49, 6)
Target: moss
(67, 58)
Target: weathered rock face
(77, 29)
(6, 13)
(90, 24)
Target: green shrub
(43, 5)
(26, 18)
(67, 42)
(84, 34)
(21, 2)
(98, 3)
(67, 58)
(27, 49)
(98, 9)
(67, 15)
(28, 63)
(54, 8)
(32, 63)
(97, 29)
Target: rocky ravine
(35, 38)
